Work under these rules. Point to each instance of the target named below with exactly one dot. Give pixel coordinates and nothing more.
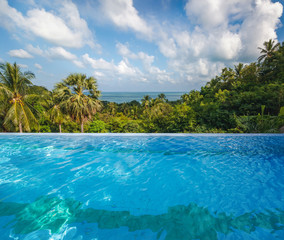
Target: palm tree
(112, 108)
(14, 85)
(269, 49)
(56, 116)
(78, 97)
(54, 112)
(239, 70)
(162, 97)
(146, 101)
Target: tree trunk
(82, 127)
(20, 127)
(60, 128)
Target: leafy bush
(97, 126)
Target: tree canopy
(242, 98)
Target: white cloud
(183, 39)
(52, 53)
(214, 13)
(229, 30)
(225, 47)
(23, 65)
(56, 53)
(66, 29)
(123, 71)
(35, 50)
(99, 64)
(167, 47)
(60, 53)
(146, 59)
(123, 14)
(123, 67)
(221, 32)
(20, 53)
(217, 32)
(152, 73)
(38, 66)
(79, 63)
(98, 74)
(260, 26)
(70, 13)
(200, 70)
(203, 67)
(124, 51)
(161, 76)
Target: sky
(134, 45)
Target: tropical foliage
(78, 97)
(14, 85)
(245, 98)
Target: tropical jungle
(247, 98)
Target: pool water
(141, 186)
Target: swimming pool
(141, 186)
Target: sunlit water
(93, 187)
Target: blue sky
(134, 45)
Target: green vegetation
(248, 98)
(14, 85)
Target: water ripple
(146, 175)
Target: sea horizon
(122, 97)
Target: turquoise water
(143, 186)
(121, 97)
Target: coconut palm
(54, 112)
(78, 97)
(162, 97)
(56, 116)
(146, 101)
(269, 49)
(14, 85)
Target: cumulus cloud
(124, 15)
(222, 32)
(122, 68)
(60, 53)
(99, 64)
(124, 51)
(20, 53)
(233, 29)
(225, 47)
(56, 53)
(152, 73)
(123, 71)
(78, 63)
(260, 25)
(216, 13)
(35, 50)
(66, 28)
(217, 33)
(167, 45)
(38, 66)
(70, 13)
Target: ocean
(121, 97)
